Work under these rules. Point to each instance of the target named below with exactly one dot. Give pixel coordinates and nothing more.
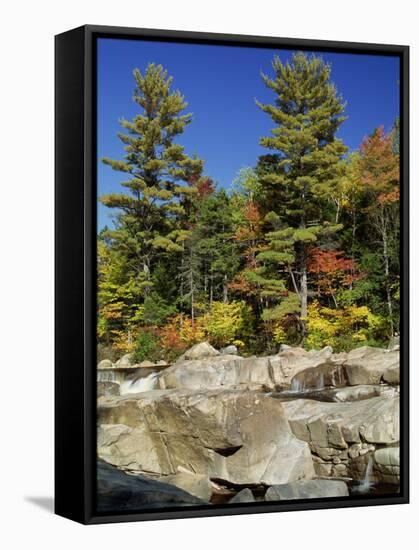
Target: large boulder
(105, 364)
(270, 373)
(199, 351)
(387, 465)
(342, 435)
(313, 488)
(126, 361)
(237, 437)
(106, 389)
(119, 492)
(368, 365)
(230, 350)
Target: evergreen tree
(150, 211)
(298, 175)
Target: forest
(302, 248)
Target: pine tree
(297, 176)
(150, 211)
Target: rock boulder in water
(238, 437)
(119, 492)
(314, 488)
(107, 389)
(387, 465)
(369, 365)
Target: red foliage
(241, 285)
(205, 187)
(250, 230)
(332, 269)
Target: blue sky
(220, 84)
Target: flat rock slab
(239, 437)
(119, 492)
(315, 488)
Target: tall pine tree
(150, 211)
(302, 165)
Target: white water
(366, 483)
(140, 385)
(107, 376)
(298, 384)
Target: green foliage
(146, 347)
(156, 310)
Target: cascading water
(297, 385)
(320, 381)
(107, 375)
(366, 483)
(140, 384)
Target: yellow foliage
(330, 327)
(223, 322)
(279, 334)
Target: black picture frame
(75, 279)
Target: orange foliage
(332, 269)
(250, 230)
(380, 167)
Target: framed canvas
(231, 274)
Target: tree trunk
(192, 289)
(225, 290)
(303, 291)
(387, 271)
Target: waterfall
(320, 383)
(297, 385)
(140, 384)
(366, 483)
(107, 375)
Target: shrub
(147, 346)
(224, 323)
(343, 328)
